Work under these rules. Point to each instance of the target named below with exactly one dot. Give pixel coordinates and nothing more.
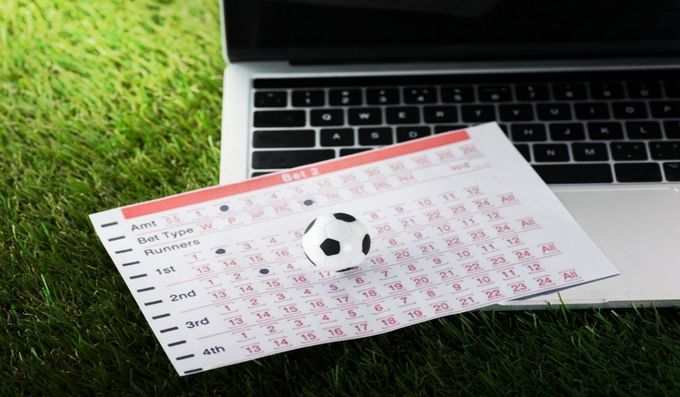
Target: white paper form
(458, 221)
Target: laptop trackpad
(638, 228)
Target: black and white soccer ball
(337, 242)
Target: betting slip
(458, 221)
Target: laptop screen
(432, 30)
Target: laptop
(587, 90)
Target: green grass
(106, 103)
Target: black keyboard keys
(523, 148)
(279, 118)
(528, 132)
(551, 152)
(592, 110)
(458, 94)
(672, 129)
(628, 151)
(643, 130)
(607, 130)
(270, 99)
(665, 109)
(520, 112)
(283, 138)
(589, 151)
(365, 116)
(553, 111)
(347, 152)
(606, 90)
(567, 132)
(532, 92)
(327, 117)
(644, 90)
(637, 172)
(337, 137)
(672, 89)
(440, 114)
(665, 150)
(575, 173)
(495, 93)
(629, 110)
(408, 133)
(569, 91)
(478, 113)
(382, 96)
(672, 171)
(375, 136)
(403, 115)
(304, 98)
(348, 97)
(420, 95)
(275, 159)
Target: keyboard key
(420, 95)
(375, 136)
(672, 89)
(438, 129)
(283, 138)
(495, 93)
(408, 133)
(382, 96)
(637, 172)
(592, 110)
(589, 151)
(568, 91)
(606, 90)
(478, 113)
(567, 132)
(403, 115)
(516, 112)
(458, 94)
(610, 130)
(554, 111)
(440, 114)
(672, 171)
(347, 152)
(665, 150)
(337, 137)
(270, 99)
(644, 90)
(350, 97)
(365, 116)
(505, 128)
(528, 132)
(575, 173)
(523, 148)
(628, 151)
(279, 118)
(665, 109)
(629, 110)
(532, 92)
(327, 117)
(275, 159)
(672, 129)
(643, 130)
(308, 98)
(548, 152)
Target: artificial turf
(106, 103)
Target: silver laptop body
(634, 218)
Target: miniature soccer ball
(337, 242)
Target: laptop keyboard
(603, 127)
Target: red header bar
(286, 176)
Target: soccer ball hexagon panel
(336, 242)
